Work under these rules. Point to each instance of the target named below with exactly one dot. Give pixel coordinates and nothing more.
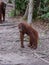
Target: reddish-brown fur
(24, 28)
(2, 11)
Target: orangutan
(2, 11)
(25, 28)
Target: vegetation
(9, 1)
(40, 10)
(44, 9)
(21, 6)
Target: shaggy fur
(24, 28)
(2, 11)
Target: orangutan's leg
(21, 38)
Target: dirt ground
(10, 50)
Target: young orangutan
(2, 11)
(25, 28)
